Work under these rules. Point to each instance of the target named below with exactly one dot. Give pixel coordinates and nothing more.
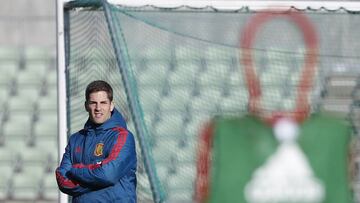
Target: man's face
(99, 107)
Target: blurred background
(183, 82)
(28, 100)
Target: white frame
(218, 4)
(61, 87)
(237, 4)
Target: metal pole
(130, 89)
(61, 87)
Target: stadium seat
(37, 53)
(51, 78)
(18, 125)
(6, 172)
(156, 67)
(47, 104)
(184, 74)
(8, 68)
(206, 101)
(271, 97)
(197, 122)
(185, 53)
(162, 169)
(188, 152)
(30, 78)
(212, 78)
(165, 150)
(46, 125)
(21, 104)
(176, 100)
(14, 144)
(26, 184)
(9, 53)
(184, 176)
(340, 86)
(339, 107)
(180, 195)
(235, 102)
(220, 66)
(49, 187)
(149, 98)
(4, 96)
(171, 126)
(35, 155)
(40, 67)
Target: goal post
(175, 65)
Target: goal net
(173, 69)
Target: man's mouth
(98, 115)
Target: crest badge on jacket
(99, 149)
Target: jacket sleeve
(120, 161)
(65, 184)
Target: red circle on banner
(307, 76)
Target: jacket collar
(116, 120)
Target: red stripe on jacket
(64, 182)
(121, 139)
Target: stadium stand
(28, 144)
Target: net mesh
(184, 66)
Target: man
(99, 163)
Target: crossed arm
(77, 179)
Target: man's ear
(86, 106)
(112, 106)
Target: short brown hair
(96, 86)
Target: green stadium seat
(4, 96)
(158, 68)
(212, 78)
(220, 66)
(35, 155)
(26, 184)
(51, 78)
(171, 126)
(47, 104)
(184, 74)
(162, 169)
(49, 187)
(37, 67)
(341, 86)
(188, 152)
(202, 102)
(30, 77)
(37, 53)
(149, 98)
(180, 195)
(236, 102)
(9, 68)
(46, 125)
(176, 101)
(18, 125)
(9, 53)
(165, 150)
(183, 177)
(340, 107)
(235, 78)
(197, 122)
(22, 104)
(6, 172)
(185, 53)
(48, 145)
(14, 144)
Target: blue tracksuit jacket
(99, 163)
